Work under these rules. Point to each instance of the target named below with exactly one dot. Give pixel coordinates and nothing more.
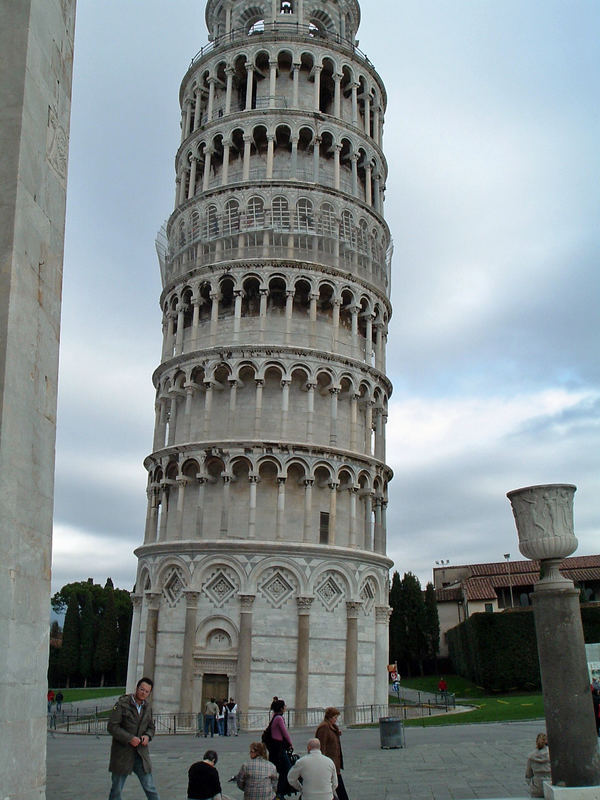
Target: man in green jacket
(131, 727)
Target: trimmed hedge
(499, 651)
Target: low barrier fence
(193, 723)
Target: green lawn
(487, 708)
(91, 693)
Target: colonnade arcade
(286, 305)
(301, 78)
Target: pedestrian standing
(278, 742)
(50, 697)
(232, 710)
(211, 709)
(329, 734)
(314, 774)
(59, 700)
(131, 726)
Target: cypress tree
(86, 651)
(105, 654)
(432, 623)
(396, 622)
(413, 611)
(68, 658)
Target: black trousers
(340, 792)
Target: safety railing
(285, 30)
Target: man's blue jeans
(209, 724)
(118, 781)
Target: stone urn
(544, 520)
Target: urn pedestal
(544, 520)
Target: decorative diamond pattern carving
(277, 589)
(367, 595)
(219, 589)
(330, 593)
(174, 586)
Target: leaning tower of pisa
(263, 569)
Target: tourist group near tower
(264, 564)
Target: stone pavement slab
(456, 762)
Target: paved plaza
(440, 763)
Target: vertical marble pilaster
(187, 666)
(244, 665)
(382, 619)
(302, 658)
(134, 646)
(150, 641)
(351, 669)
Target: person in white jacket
(318, 774)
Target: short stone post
(544, 519)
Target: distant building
(470, 588)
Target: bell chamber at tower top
(327, 17)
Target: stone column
(246, 165)
(378, 533)
(233, 384)
(270, 153)
(258, 406)
(308, 484)
(353, 420)
(237, 313)
(134, 642)
(244, 665)
(317, 98)
(310, 410)
(350, 680)
(333, 486)
(285, 403)
(367, 497)
(316, 158)
(249, 83)
(179, 334)
(181, 483)
(225, 506)
(153, 604)
(544, 519)
(200, 505)
(353, 490)
(336, 323)
(264, 294)
(229, 73)
(192, 186)
(272, 80)
(354, 163)
(302, 659)
(253, 479)
(214, 316)
(354, 88)
(197, 108)
(225, 169)
(382, 618)
(164, 511)
(279, 520)
(334, 393)
(368, 188)
(336, 166)
(294, 159)
(367, 115)
(337, 96)
(211, 98)
(187, 665)
(208, 393)
(296, 84)
(207, 163)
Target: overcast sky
(491, 135)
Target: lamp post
(544, 520)
(507, 557)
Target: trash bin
(391, 733)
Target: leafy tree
(105, 655)
(68, 657)
(432, 623)
(124, 610)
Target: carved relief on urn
(544, 519)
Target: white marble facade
(263, 562)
